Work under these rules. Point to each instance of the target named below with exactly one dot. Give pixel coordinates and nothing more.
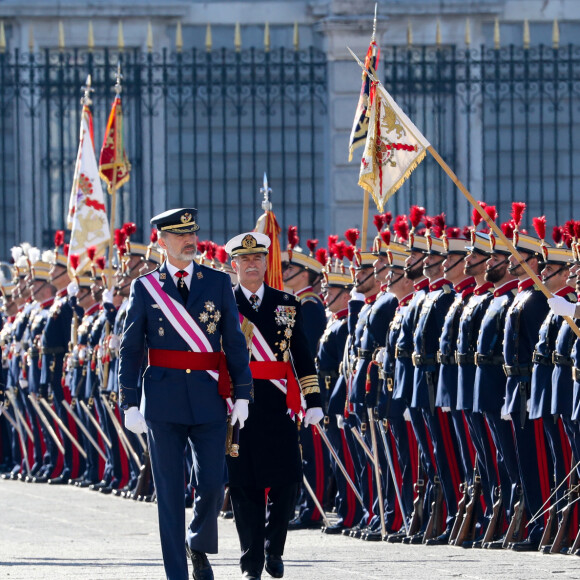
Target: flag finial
(87, 89)
(118, 79)
(375, 24)
(266, 191)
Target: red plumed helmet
(340, 250)
(577, 230)
(322, 255)
(518, 208)
(508, 229)
(475, 217)
(293, 238)
(491, 211)
(120, 237)
(202, 246)
(59, 238)
(416, 214)
(428, 221)
(130, 228)
(101, 262)
(352, 236)
(453, 232)
(349, 253)
(154, 235)
(379, 221)
(311, 244)
(210, 250)
(557, 234)
(221, 254)
(401, 228)
(91, 252)
(74, 260)
(540, 226)
(388, 218)
(386, 237)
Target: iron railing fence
(506, 120)
(200, 129)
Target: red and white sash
(261, 351)
(180, 319)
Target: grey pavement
(63, 532)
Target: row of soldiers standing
(60, 338)
(447, 353)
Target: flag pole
(365, 214)
(113, 186)
(496, 230)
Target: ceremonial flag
(267, 224)
(358, 134)
(393, 149)
(87, 214)
(114, 167)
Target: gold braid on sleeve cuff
(309, 385)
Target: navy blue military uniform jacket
(269, 454)
(175, 395)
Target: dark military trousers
(262, 522)
(348, 508)
(559, 449)
(167, 442)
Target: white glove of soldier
(1, 409)
(114, 342)
(313, 416)
(72, 289)
(340, 421)
(240, 412)
(108, 296)
(354, 295)
(407, 414)
(561, 306)
(134, 420)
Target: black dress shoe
(201, 566)
(85, 483)
(60, 480)
(373, 536)
(441, 540)
(274, 566)
(334, 529)
(298, 524)
(40, 479)
(415, 539)
(97, 486)
(396, 538)
(495, 545)
(525, 546)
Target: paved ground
(63, 532)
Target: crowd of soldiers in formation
(450, 387)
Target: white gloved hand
(1, 409)
(313, 416)
(72, 289)
(23, 383)
(562, 307)
(446, 409)
(354, 295)
(134, 420)
(114, 342)
(407, 414)
(240, 412)
(340, 421)
(108, 296)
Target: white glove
(23, 383)
(313, 416)
(240, 412)
(1, 409)
(446, 409)
(114, 342)
(561, 306)
(354, 295)
(340, 421)
(108, 296)
(72, 289)
(407, 414)
(134, 420)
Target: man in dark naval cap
(184, 317)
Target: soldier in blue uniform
(54, 346)
(554, 275)
(468, 332)
(269, 455)
(523, 321)
(489, 383)
(425, 346)
(390, 409)
(366, 387)
(336, 288)
(300, 272)
(185, 314)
